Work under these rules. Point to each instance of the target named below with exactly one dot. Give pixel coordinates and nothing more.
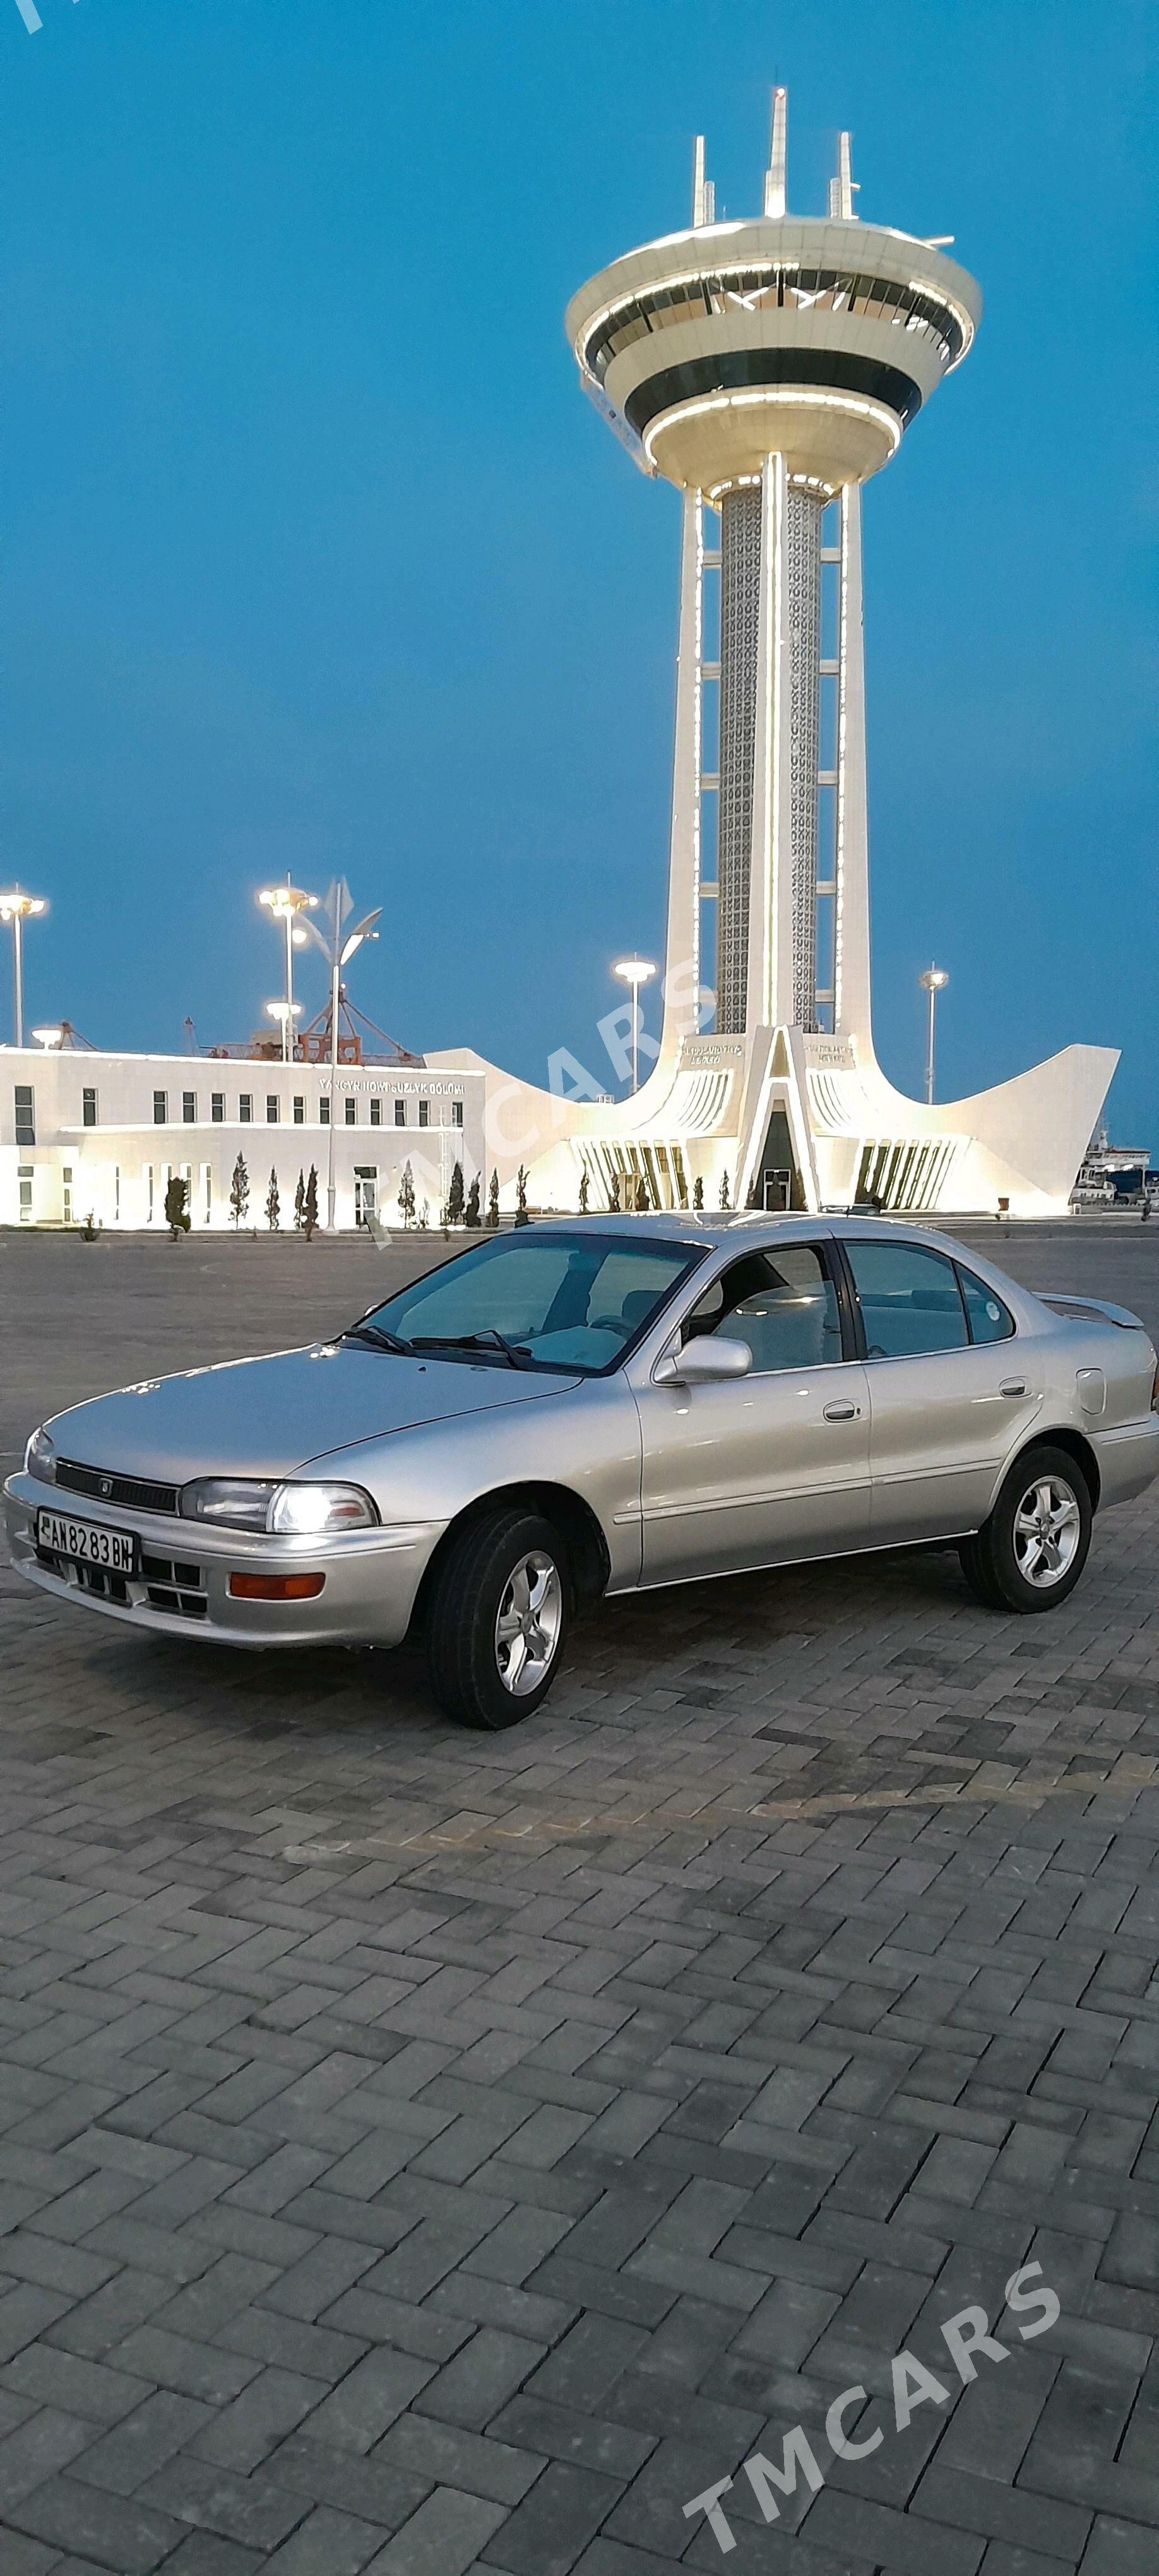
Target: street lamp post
(337, 950)
(17, 907)
(634, 971)
(284, 905)
(932, 981)
(285, 1013)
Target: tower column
(682, 944)
(851, 1006)
(769, 738)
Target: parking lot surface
(423, 2151)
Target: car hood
(267, 1417)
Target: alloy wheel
(1047, 1530)
(529, 1624)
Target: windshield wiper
(379, 1339)
(516, 1354)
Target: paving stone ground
(422, 2152)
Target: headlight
(40, 1458)
(308, 1510)
(236, 1502)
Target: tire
(1013, 1564)
(506, 1573)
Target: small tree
(406, 1195)
(724, 1197)
(456, 1199)
(521, 1215)
(310, 1204)
(274, 1205)
(614, 1195)
(493, 1201)
(299, 1203)
(239, 1191)
(176, 1212)
(584, 1189)
(424, 1216)
(471, 1214)
(698, 1193)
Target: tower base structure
(792, 1118)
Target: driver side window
(782, 1303)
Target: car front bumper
(372, 1576)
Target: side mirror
(704, 1361)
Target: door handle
(841, 1412)
(1012, 1386)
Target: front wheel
(497, 1619)
(1030, 1553)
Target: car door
(951, 1387)
(768, 1467)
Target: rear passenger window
(909, 1299)
(990, 1320)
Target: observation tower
(769, 367)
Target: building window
(208, 1192)
(25, 1114)
(88, 1109)
(299, 1110)
(245, 1108)
(351, 1110)
(400, 1113)
(376, 1113)
(324, 1110)
(456, 1113)
(424, 1113)
(273, 1106)
(365, 1193)
(149, 1190)
(66, 1193)
(217, 1108)
(24, 1180)
(160, 1108)
(189, 1108)
(116, 1193)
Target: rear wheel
(497, 1619)
(1030, 1553)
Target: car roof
(719, 1226)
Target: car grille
(134, 1491)
(164, 1583)
(172, 1585)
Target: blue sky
(315, 557)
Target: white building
(768, 367)
(83, 1132)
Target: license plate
(89, 1542)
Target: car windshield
(547, 1299)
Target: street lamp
(634, 971)
(284, 904)
(338, 950)
(287, 1013)
(932, 981)
(17, 907)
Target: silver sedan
(600, 1406)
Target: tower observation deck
(768, 367)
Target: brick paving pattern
(422, 2152)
